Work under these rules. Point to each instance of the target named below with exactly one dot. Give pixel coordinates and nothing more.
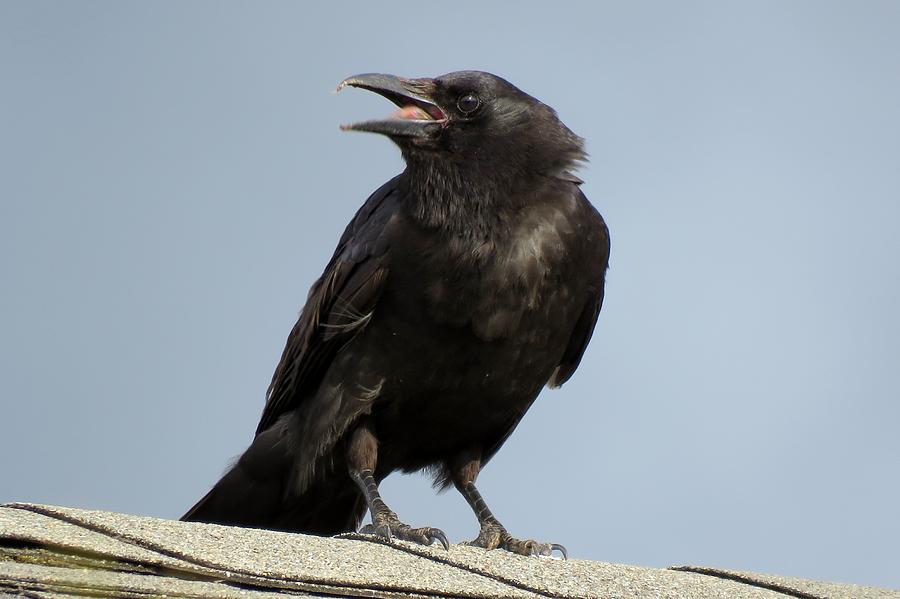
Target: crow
(461, 288)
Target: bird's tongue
(412, 112)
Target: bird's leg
(492, 534)
(362, 457)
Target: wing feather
(338, 306)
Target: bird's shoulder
(559, 231)
(590, 259)
(368, 225)
(592, 229)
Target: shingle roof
(51, 552)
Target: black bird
(459, 290)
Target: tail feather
(256, 493)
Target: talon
(438, 535)
(560, 548)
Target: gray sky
(172, 180)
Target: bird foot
(387, 526)
(494, 536)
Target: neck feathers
(460, 199)
(473, 196)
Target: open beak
(418, 115)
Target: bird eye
(468, 103)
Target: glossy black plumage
(459, 290)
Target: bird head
(470, 117)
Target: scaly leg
(362, 458)
(493, 534)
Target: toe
(491, 536)
(520, 547)
(544, 549)
(423, 536)
(383, 531)
(426, 536)
(529, 547)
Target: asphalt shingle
(51, 550)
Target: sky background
(172, 180)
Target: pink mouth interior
(417, 113)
